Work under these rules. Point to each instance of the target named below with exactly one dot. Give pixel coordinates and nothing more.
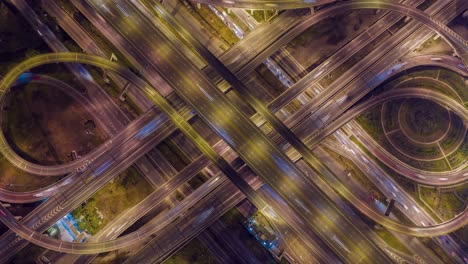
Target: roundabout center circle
(423, 121)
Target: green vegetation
(370, 120)
(423, 120)
(390, 111)
(444, 201)
(53, 231)
(459, 156)
(121, 193)
(262, 226)
(237, 20)
(381, 231)
(455, 81)
(455, 135)
(211, 22)
(404, 144)
(391, 240)
(192, 253)
(429, 83)
(432, 78)
(263, 15)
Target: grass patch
(390, 111)
(423, 120)
(459, 157)
(121, 193)
(455, 135)
(414, 150)
(237, 20)
(443, 201)
(14, 179)
(391, 240)
(263, 15)
(213, 23)
(371, 122)
(455, 81)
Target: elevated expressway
(38, 169)
(312, 139)
(454, 65)
(266, 4)
(58, 170)
(444, 61)
(451, 62)
(242, 59)
(35, 237)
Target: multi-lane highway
(104, 63)
(245, 144)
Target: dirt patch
(321, 40)
(44, 125)
(13, 179)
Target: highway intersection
(306, 209)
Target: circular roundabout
(423, 133)
(423, 121)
